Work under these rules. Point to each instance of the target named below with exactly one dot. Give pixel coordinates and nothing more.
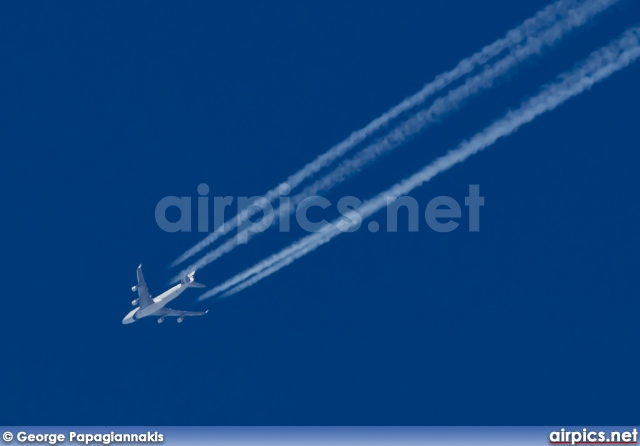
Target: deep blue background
(106, 107)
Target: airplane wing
(178, 313)
(144, 298)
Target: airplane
(149, 306)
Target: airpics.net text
(441, 213)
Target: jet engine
(180, 319)
(161, 320)
(134, 288)
(134, 302)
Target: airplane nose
(131, 317)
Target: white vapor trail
(453, 99)
(597, 67)
(533, 45)
(561, 9)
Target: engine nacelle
(134, 288)
(180, 319)
(161, 320)
(134, 302)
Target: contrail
(597, 67)
(452, 100)
(561, 9)
(417, 123)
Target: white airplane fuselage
(158, 303)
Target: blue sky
(107, 107)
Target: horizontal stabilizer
(189, 281)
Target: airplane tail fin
(190, 281)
